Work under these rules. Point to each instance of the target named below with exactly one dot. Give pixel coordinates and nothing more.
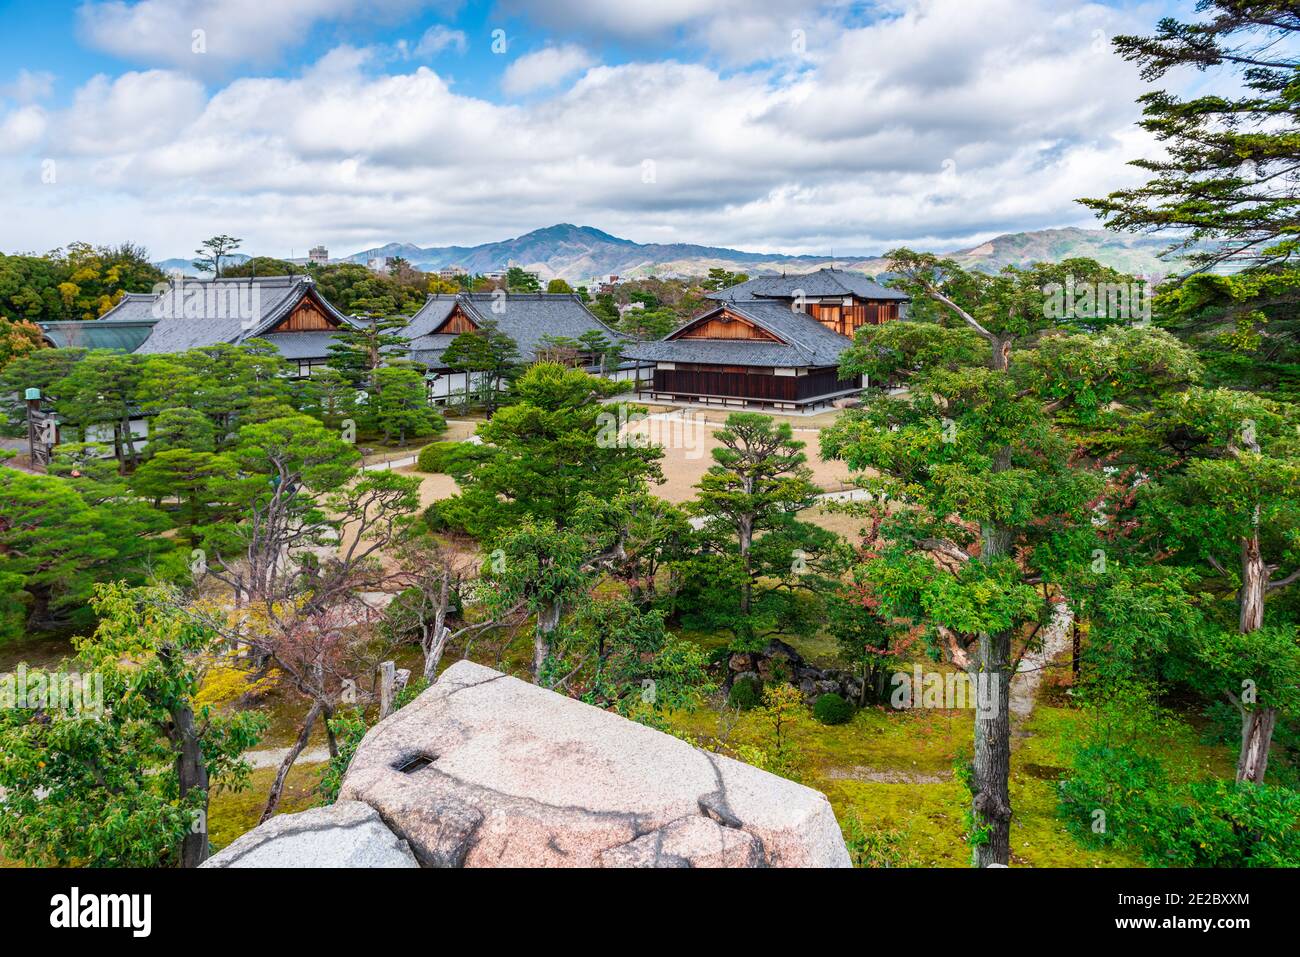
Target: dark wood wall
(456, 323)
(740, 383)
(307, 316)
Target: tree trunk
(331, 739)
(548, 619)
(192, 774)
(1256, 735)
(991, 768)
(1076, 648)
(1256, 722)
(433, 649)
(387, 676)
(1254, 577)
(273, 799)
(746, 535)
(1001, 354)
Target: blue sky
(791, 125)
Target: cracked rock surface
(485, 770)
(346, 834)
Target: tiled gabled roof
(803, 340)
(823, 282)
(526, 318)
(201, 312)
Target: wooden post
(39, 446)
(387, 679)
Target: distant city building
(318, 255)
(452, 273)
(379, 263)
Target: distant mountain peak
(581, 253)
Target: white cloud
(228, 31)
(848, 152)
(438, 38)
(21, 129)
(129, 115)
(28, 86)
(544, 69)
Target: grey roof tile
(525, 317)
(823, 282)
(203, 312)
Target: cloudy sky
(784, 125)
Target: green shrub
(349, 727)
(746, 693)
(1117, 781)
(1227, 824)
(436, 457)
(871, 846)
(832, 709)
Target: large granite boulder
(485, 770)
(346, 834)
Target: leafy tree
(126, 785)
(29, 288)
(985, 476)
(81, 282)
(1223, 188)
(1230, 503)
(213, 252)
(1223, 175)
(261, 266)
(720, 278)
(401, 405)
(303, 548)
(543, 568)
(103, 390)
(647, 323)
(183, 475)
(519, 280)
(357, 351)
(48, 574)
(17, 339)
(758, 481)
(559, 287)
(44, 369)
(61, 533)
(183, 428)
(605, 309)
(638, 666)
(550, 448)
(226, 383)
(487, 351)
(356, 290)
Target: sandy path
(1034, 664)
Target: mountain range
(580, 253)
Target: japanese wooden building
(773, 342)
(534, 321)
